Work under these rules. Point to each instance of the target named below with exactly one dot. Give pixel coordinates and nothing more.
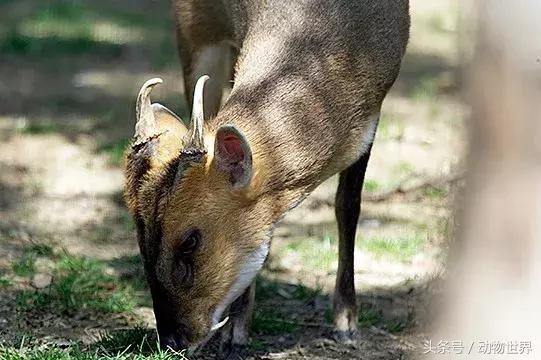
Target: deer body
(309, 80)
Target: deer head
(203, 227)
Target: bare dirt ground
(66, 111)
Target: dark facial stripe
(173, 173)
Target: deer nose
(173, 342)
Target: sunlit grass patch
(390, 127)
(403, 169)
(80, 283)
(139, 339)
(99, 32)
(372, 186)
(76, 27)
(134, 344)
(426, 89)
(314, 253)
(401, 247)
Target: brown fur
(310, 80)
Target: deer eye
(190, 243)
(183, 267)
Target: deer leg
(235, 334)
(214, 60)
(347, 209)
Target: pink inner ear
(232, 146)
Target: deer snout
(173, 342)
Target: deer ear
(167, 119)
(232, 155)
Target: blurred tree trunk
(494, 288)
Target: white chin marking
(247, 273)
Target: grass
(390, 127)
(307, 294)
(127, 220)
(5, 282)
(396, 326)
(19, 44)
(426, 89)
(41, 128)
(25, 265)
(256, 345)
(401, 248)
(119, 341)
(435, 193)
(368, 316)
(115, 151)
(265, 289)
(80, 283)
(134, 344)
(268, 322)
(372, 186)
(315, 253)
(65, 28)
(403, 169)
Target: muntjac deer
(310, 77)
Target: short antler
(195, 135)
(145, 128)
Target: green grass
(268, 322)
(139, 338)
(306, 294)
(396, 326)
(426, 89)
(435, 193)
(368, 316)
(115, 151)
(390, 127)
(256, 345)
(134, 344)
(41, 250)
(265, 289)
(436, 22)
(41, 128)
(73, 28)
(401, 248)
(15, 43)
(315, 253)
(25, 265)
(403, 169)
(127, 220)
(80, 283)
(372, 186)
(5, 282)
